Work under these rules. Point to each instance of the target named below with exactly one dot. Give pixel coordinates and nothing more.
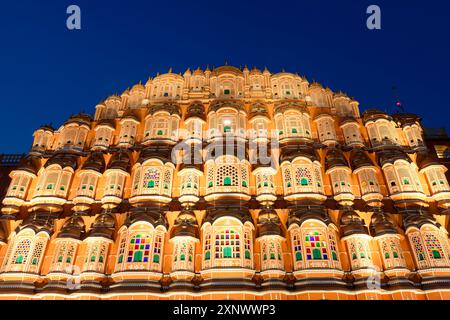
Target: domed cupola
(120, 161)
(161, 152)
(375, 114)
(185, 225)
(359, 159)
(152, 215)
(28, 164)
(95, 162)
(269, 223)
(301, 213)
(196, 110)
(352, 224)
(80, 119)
(73, 228)
(117, 171)
(381, 224)
(392, 155)
(303, 149)
(270, 238)
(103, 227)
(64, 160)
(38, 222)
(335, 158)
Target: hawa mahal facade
(166, 193)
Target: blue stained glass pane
(309, 257)
(311, 238)
(145, 259)
(325, 257)
(147, 247)
(138, 240)
(130, 259)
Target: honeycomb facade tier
(227, 184)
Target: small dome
(95, 162)
(47, 127)
(185, 225)
(255, 72)
(301, 212)
(374, 114)
(391, 155)
(359, 159)
(269, 223)
(161, 152)
(103, 226)
(198, 72)
(137, 87)
(80, 119)
(131, 114)
(107, 122)
(74, 227)
(302, 149)
(152, 215)
(406, 119)
(426, 159)
(120, 160)
(381, 223)
(258, 109)
(315, 85)
(351, 223)
(283, 106)
(28, 164)
(171, 108)
(196, 110)
(64, 160)
(335, 158)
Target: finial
(170, 70)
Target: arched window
(64, 258)
(96, 254)
(26, 251)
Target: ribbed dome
(301, 149)
(120, 160)
(185, 225)
(155, 151)
(28, 164)
(80, 119)
(74, 227)
(351, 223)
(96, 162)
(103, 226)
(359, 159)
(391, 155)
(64, 160)
(381, 223)
(425, 159)
(196, 110)
(269, 223)
(335, 158)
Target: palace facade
(227, 184)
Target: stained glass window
(151, 178)
(139, 248)
(157, 248)
(333, 247)
(227, 245)
(208, 246)
(22, 251)
(303, 176)
(433, 245)
(297, 242)
(418, 246)
(316, 247)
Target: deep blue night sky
(48, 73)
